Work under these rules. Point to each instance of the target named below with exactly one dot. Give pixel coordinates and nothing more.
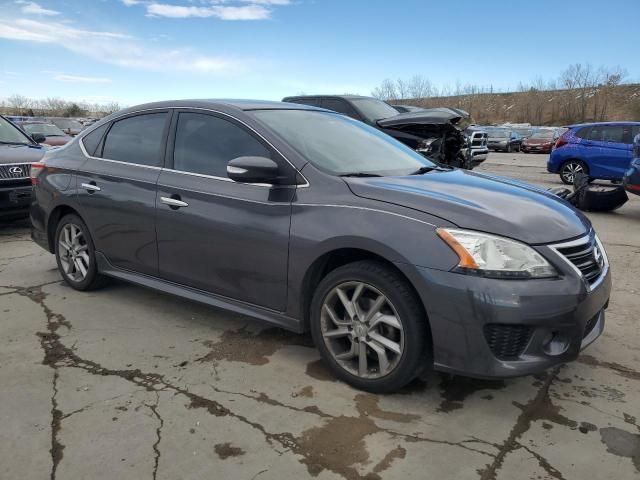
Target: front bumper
(479, 155)
(463, 311)
(536, 148)
(15, 199)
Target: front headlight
(496, 257)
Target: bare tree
(18, 103)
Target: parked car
(631, 179)
(54, 137)
(524, 132)
(601, 150)
(67, 125)
(407, 108)
(503, 139)
(435, 132)
(477, 139)
(17, 152)
(310, 220)
(540, 142)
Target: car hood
(58, 140)
(538, 141)
(480, 202)
(431, 116)
(21, 153)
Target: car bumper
(14, 200)
(536, 149)
(475, 320)
(479, 155)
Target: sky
(134, 51)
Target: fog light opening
(556, 343)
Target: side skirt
(259, 313)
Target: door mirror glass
(253, 170)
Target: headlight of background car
(496, 257)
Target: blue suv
(601, 150)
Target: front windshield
(340, 145)
(522, 131)
(498, 133)
(543, 134)
(67, 124)
(9, 134)
(44, 128)
(374, 109)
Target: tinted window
(314, 102)
(205, 144)
(635, 131)
(583, 133)
(339, 106)
(136, 139)
(608, 133)
(92, 140)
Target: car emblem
(15, 170)
(597, 256)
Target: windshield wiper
(12, 143)
(360, 174)
(429, 168)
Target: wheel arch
(52, 222)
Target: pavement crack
(544, 463)
(529, 414)
(156, 450)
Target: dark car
(435, 132)
(503, 139)
(17, 153)
(310, 220)
(631, 179)
(54, 137)
(541, 141)
(67, 125)
(600, 150)
(407, 108)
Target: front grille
(507, 342)
(586, 256)
(15, 171)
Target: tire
(508, 149)
(82, 252)
(399, 307)
(570, 168)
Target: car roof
(222, 104)
(591, 124)
(325, 96)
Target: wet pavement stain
(253, 348)
(455, 390)
(586, 427)
(621, 370)
(306, 392)
(318, 370)
(397, 453)
(226, 450)
(367, 406)
(622, 444)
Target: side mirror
(253, 170)
(38, 137)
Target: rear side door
(609, 150)
(216, 235)
(116, 189)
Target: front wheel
(570, 169)
(75, 254)
(508, 149)
(370, 327)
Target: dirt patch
(318, 370)
(226, 450)
(306, 392)
(586, 427)
(367, 406)
(455, 390)
(622, 444)
(248, 347)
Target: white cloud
(61, 77)
(32, 8)
(114, 48)
(129, 3)
(223, 12)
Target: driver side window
(204, 144)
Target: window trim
(172, 111)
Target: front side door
(610, 150)
(116, 189)
(216, 235)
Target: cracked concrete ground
(127, 383)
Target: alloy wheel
(570, 170)
(74, 252)
(362, 330)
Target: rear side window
(136, 140)
(93, 139)
(205, 144)
(583, 132)
(608, 133)
(314, 102)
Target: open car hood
(430, 116)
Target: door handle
(173, 202)
(91, 187)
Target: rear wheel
(569, 170)
(75, 254)
(369, 326)
(508, 149)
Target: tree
(17, 103)
(73, 110)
